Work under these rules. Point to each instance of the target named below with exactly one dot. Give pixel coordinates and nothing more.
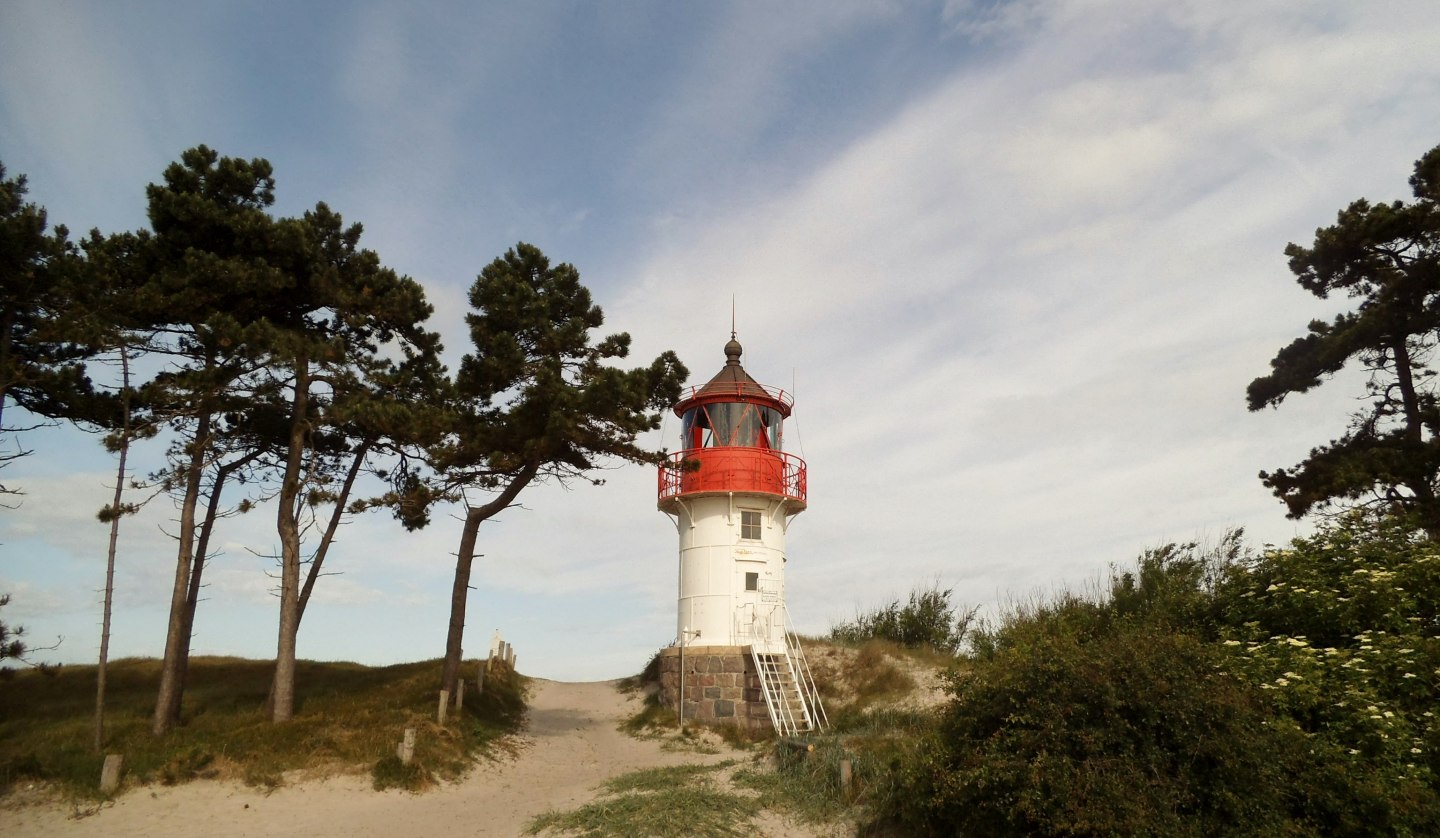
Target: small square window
(750, 525)
(752, 581)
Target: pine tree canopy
(1386, 257)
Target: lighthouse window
(696, 429)
(750, 525)
(737, 424)
(772, 420)
(752, 581)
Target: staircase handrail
(781, 717)
(809, 692)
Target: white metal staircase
(789, 688)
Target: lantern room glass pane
(724, 416)
(738, 424)
(772, 420)
(747, 430)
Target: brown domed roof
(732, 379)
(732, 383)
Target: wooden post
(110, 774)
(847, 778)
(459, 694)
(444, 705)
(480, 677)
(406, 751)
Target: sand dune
(570, 746)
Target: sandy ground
(571, 746)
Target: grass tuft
(681, 800)
(390, 773)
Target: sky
(1017, 261)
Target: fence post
(444, 705)
(110, 774)
(459, 694)
(406, 751)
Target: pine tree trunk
(197, 571)
(464, 559)
(1418, 482)
(7, 326)
(288, 527)
(459, 594)
(110, 554)
(167, 702)
(326, 540)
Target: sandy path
(572, 745)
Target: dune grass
(348, 719)
(680, 800)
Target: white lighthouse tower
(732, 492)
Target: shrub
(1214, 691)
(929, 619)
(1136, 732)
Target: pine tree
(345, 314)
(1387, 258)
(536, 400)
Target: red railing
(732, 469)
(742, 391)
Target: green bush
(1136, 732)
(929, 619)
(1206, 691)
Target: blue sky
(1017, 260)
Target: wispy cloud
(1018, 260)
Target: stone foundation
(721, 685)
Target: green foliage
(1342, 632)
(1136, 731)
(43, 340)
(928, 619)
(1386, 256)
(1290, 692)
(536, 389)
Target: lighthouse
(732, 492)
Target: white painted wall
(714, 561)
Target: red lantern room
(731, 437)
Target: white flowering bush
(1342, 631)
